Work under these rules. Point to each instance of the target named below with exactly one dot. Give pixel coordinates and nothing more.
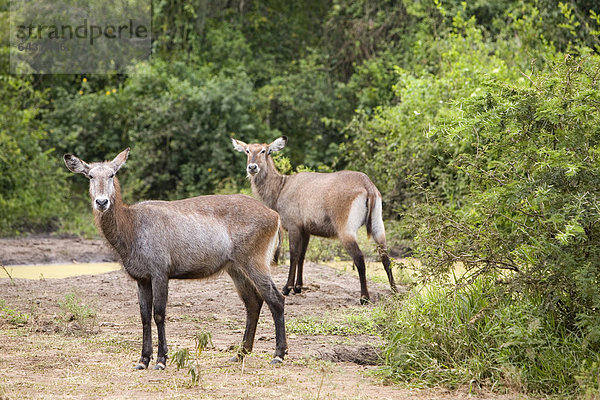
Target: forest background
(478, 121)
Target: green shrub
(304, 104)
(177, 120)
(75, 309)
(482, 335)
(13, 316)
(398, 145)
(32, 190)
(529, 159)
(183, 133)
(534, 178)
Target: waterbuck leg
(359, 260)
(253, 303)
(145, 300)
(160, 291)
(304, 237)
(385, 260)
(295, 246)
(276, 302)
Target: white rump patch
(357, 215)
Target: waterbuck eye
(91, 177)
(112, 176)
(262, 151)
(247, 151)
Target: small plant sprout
(182, 358)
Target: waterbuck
(322, 204)
(192, 238)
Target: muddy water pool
(56, 271)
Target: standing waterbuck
(191, 238)
(322, 204)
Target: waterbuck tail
(274, 249)
(375, 227)
(277, 254)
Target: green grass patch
(74, 309)
(480, 335)
(73, 304)
(359, 323)
(13, 316)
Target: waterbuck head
(258, 153)
(101, 176)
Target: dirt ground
(53, 354)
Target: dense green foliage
(178, 119)
(529, 153)
(32, 189)
(479, 122)
(482, 335)
(497, 173)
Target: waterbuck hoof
(276, 361)
(160, 366)
(364, 300)
(297, 289)
(286, 290)
(143, 363)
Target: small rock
(74, 326)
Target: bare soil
(47, 352)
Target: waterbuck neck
(116, 223)
(268, 184)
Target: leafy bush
(304, 105)
(183, 133)
(530, 160)
(398, 146)
(534, 178)
(178, 121)
(32, 190)
(493, 169)
(485, 335)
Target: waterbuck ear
(239, 145)
(76, 165)
(278, 144)
(119, 160)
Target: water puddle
(57, 271)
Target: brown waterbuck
(322, 204)
(192, 238)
